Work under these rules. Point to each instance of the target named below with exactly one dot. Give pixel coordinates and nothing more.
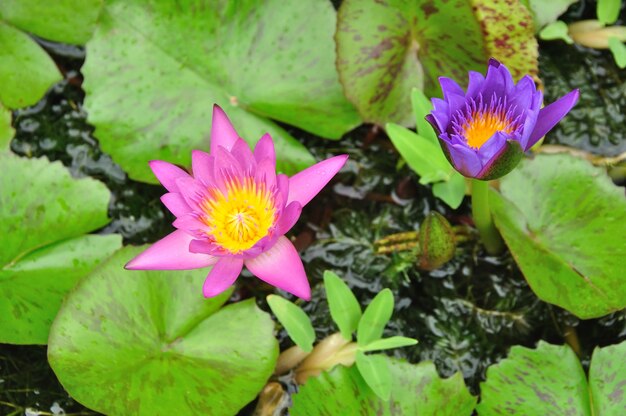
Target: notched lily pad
(416, 390)
(564, 222)
(385, 48)
(44, 214)
(552, 379)
(155, 69)
(148, 342)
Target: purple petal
(222, 276)
(550, 115)
(450, 87)
(303, 186)
(167, 174)
(476, 81)
(289, 217)
(176, 204)
(492, 146)
(281, 266)
(222, 131)
(464, 159)
(170, 253)
(203, 166)
(265, 149)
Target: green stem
(482, 217)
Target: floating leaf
(608, 11)
(68, 21)
(618, 49)
(552, 379)
(6, 131)
(388, 343)
(344, 306)
(148, 342)
(375, 317)
(154, 70)
(295, 321)
(385, 48)
(415, 390)
(564, 222)
(43, 216)
(375, 371)
(26, 70)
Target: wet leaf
(155, 69)
(344, 307)
(26, 70)
(386, 48)
(148, 342)
(564, 222)
(552, 379)
(375, 317)
(68, 21)
(415, 390)
(295, 321)
(6, 131)
(44, 215)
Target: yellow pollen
(482, 125)
(241, 217)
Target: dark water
(466, 315)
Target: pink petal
(241, 151)
(202, 165)
(167, 174)
(289, 217)
(192, 191)
(281, 266)
(190, 223)
(222, 131)
(266, 173)
(170, 253)
(303, 186)
(265, 149)
(222, 276)
(176, 204)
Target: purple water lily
(485, 130)
(233, 211)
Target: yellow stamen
(482, 125)
(241, 217)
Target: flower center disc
(480, 126)
(240, 218)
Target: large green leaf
(416, 390)
(6, 131)
(545, 12)
(148, 343)
(564, 222)
(26, 70)
(385, 48)
(550, 379)
(68, 21)
(155, 68)
(43, 216)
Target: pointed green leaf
(421, 108)
(67, 21)
(388, 343)
(295, 321)
(375, 371)
(564, 221)
(26, 70)
(344, 307)
(608, 11)
(387, 48)
(44, 251)
(415, 390)
(618, 49)
(155, 69)
(375, 317)
(148, 343)
(451, 191)
(556, 30)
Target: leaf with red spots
(387, 47)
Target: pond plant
(383, 289)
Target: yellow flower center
(482, 125)
(241, 217)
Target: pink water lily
(234, 210)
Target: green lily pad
(44, 214)
(155, 69)
(26, 70)
(416, 390)
(385, 48)
(564, 222)
(551, 378)
(68, 21)
(6, 131)
(148, 343)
